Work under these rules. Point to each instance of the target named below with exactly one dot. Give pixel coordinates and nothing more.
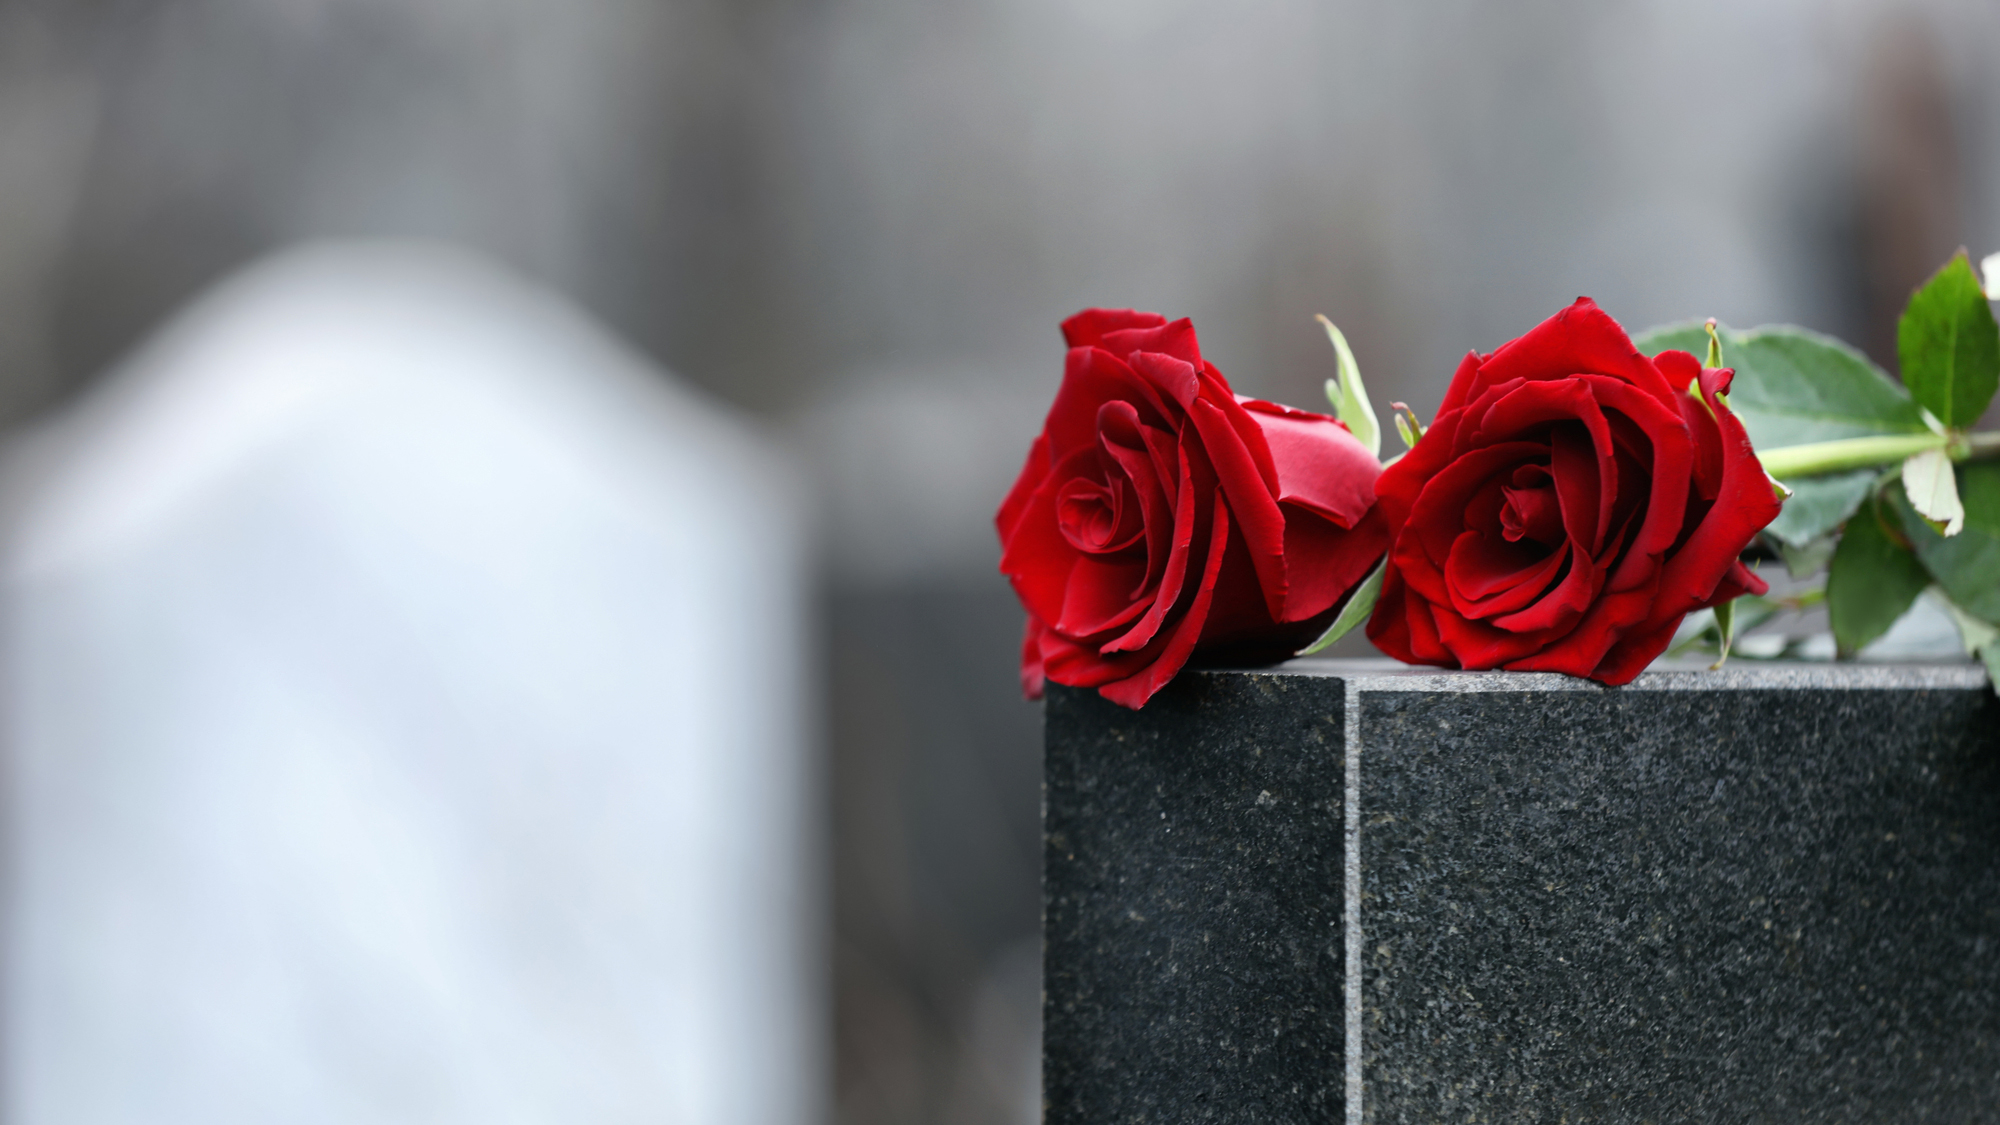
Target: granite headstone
(1349, 891)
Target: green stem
(1849, 453)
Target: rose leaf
(1949, 345)
(1967, 565)
(1809, 558)
(1818, 505)
(1702, 629)
(1981, 639)
(1697, 630)
(1359, 605)
(1753, 610)
(1933, 491)
(1725, 629)
(1972, 632)
(1796, 387)
(1871, 582)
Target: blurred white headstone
(407, 724)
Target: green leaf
(1871, 582)
(1981, 639)
(1702, 628)
(1725, 629)
(1949, 345)
(1932, 488)
(1349, 397)
(1794, 386)
(1967, 565)
(1808, 559)
(1818, 505)
(1359, 605)
(1974, 633)
(1752, 610)
(1696, 631)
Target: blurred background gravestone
(407, 725)
(862, 219)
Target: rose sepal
(1347, 394)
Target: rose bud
(1571, 503)
(1160, 516)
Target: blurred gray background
(859, 221)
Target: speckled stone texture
(1191, 905)
(1771, 894)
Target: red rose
(1572, 502)
(1159, 513)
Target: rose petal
(1705, 435)
(1739, 581)
(1037, 558)
(1066, 660)
(1320, 465)
(1215, 390)
(1397, 489)
(1580, 339)
(1032, 677)
(1584, 483)
(1482, 511)
(1238, 611)
(1439, 513)
(1089, 327)
(1623, 662)
(1136, 690)
(1142, 470)
(1324, 560)
(1480, 645)
(1098, 596)
(1197, 485)
(1744, 504)
(1558, 611)
(1175, 338)
(1461, 390)
(1170, 376)
(1581, 650)
(1534, 514)
(1402, 625)
(1100, 517)
(1033, 471)
(1668, 472)
(1091, 378)
(1256, 511)
(1487, 577)
(1522, 409)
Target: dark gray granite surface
(1770, 894)
(1191, 905)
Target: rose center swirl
(1531, 509)
(1099, 517)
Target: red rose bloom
(1572, 502)
(1158, 514)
